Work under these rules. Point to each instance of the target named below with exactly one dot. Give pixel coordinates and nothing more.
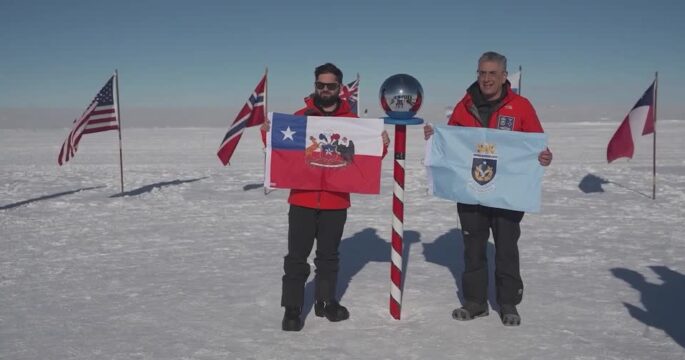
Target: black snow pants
(476, 222)
(305, 225)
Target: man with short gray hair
(490, 103)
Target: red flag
(324, 153)
(101, 115)
(639, 121)
(251, 114)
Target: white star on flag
(288, 134)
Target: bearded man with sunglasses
(319, 215)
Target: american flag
(350, 93)
(101, 115)
(252, 114)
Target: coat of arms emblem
(484, 165)
(329, 150)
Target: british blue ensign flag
(324, 153)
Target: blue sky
(596, 57)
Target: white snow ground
(188, 264)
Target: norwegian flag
(252, 114)
(639, 121)
(101, 115)
(350, 93)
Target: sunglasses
(330, 86)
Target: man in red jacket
(319, 215)
(490, 103)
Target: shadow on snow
(448, 251)
(45, 197)
(149, 188)
(662, 303)
(592, 183)
(253, 186)
(355, 253)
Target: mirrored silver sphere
(401, 96)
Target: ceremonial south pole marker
(401, 96)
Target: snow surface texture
(188, 264)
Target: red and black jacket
(512, 112)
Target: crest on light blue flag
(490, 167)
(484, 165)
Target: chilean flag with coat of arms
(324, 153)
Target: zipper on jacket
(473, 110)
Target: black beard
(322, 102)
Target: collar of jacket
(476, 97)
(474, 100)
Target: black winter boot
(332, 310)
(291, 319)
(470, 311)
(509, 315)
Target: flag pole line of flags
(101, 115)
(640, 121)
(253, 113)
(266, 111)
(358, 96)
(656, 88)
(121, 155)
(515, 80)
(350, 93)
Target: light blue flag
(496, 168)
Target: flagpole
(266, 112)
(266, 90)
(520, 76)
(359, 98)
(121, 156)
(656, 87)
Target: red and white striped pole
(397, 222)
(401, 96)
